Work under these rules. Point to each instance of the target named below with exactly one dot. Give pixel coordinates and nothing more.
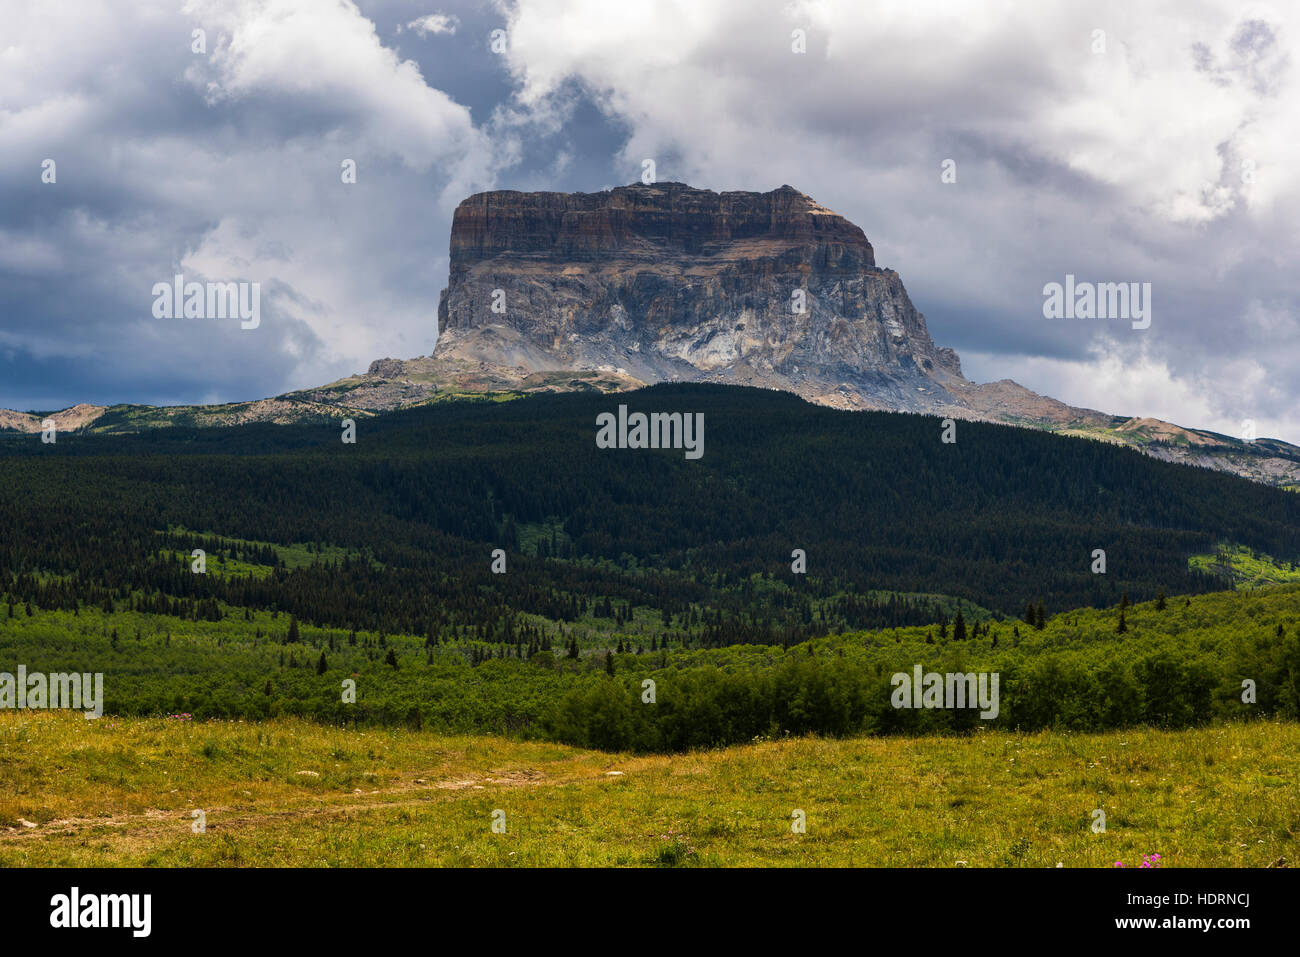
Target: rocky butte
(670, 283)
(667, 282)
(614, 290)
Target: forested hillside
(326, 560)
(897, 526)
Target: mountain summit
(668, 282)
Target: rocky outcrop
(68, 420)
(667, 282)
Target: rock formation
(667, 282)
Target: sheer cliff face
(668, 282)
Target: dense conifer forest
(404, 521)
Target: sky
(1110, 141)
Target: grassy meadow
(122, 791)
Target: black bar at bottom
(336, 907)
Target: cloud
(433, 24)
(1157, 150)
(224, 165)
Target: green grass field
(1245, 567)
(285, 792)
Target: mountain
(643, 284)
(670, 283)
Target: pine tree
(391, 660)
(292, 636)
(609, 663)
(959, 627)
(321, 665)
